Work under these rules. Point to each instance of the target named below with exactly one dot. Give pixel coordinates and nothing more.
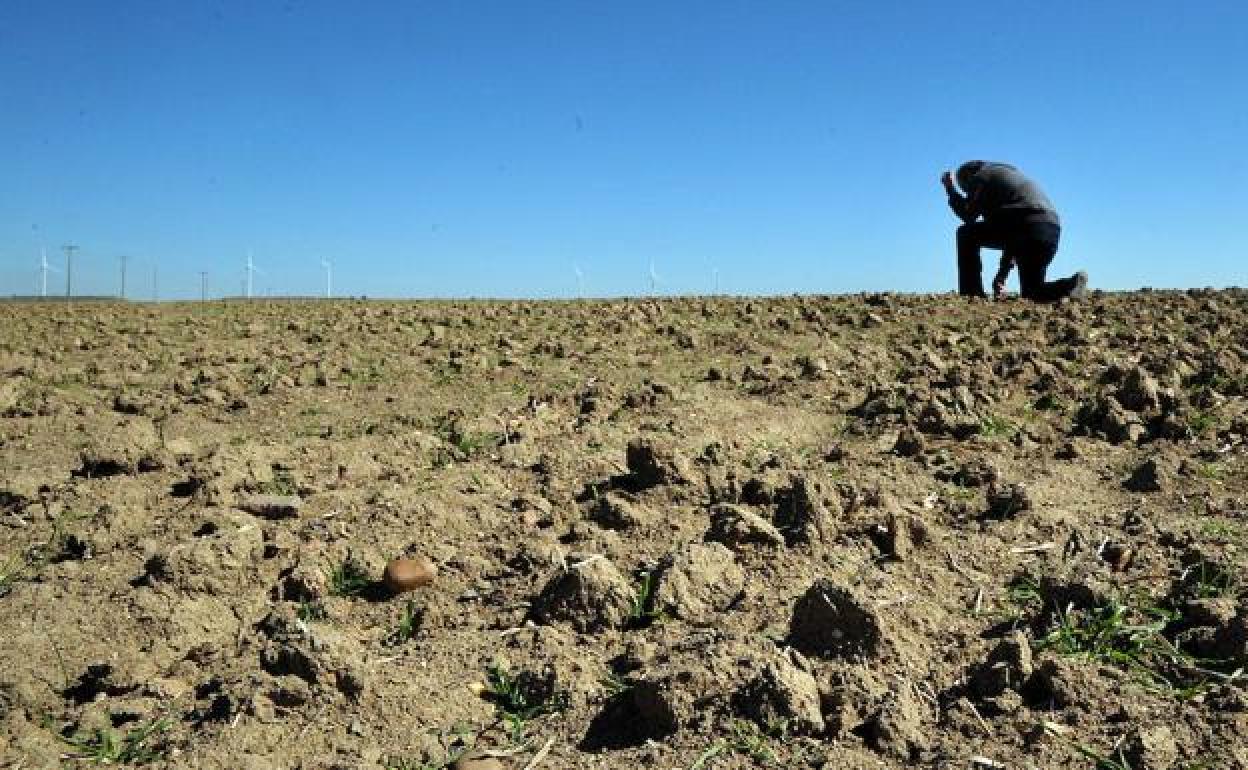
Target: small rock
(180, 448)
(125, 402)
(478, 762)
(10, 395)
(813, 368)
(272, 506)
(403, 575)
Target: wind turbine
(329, 278)
(654, 278)
(69, 250)
(44, 267)
(580, 280)
(251, 269)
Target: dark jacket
(1000, 194)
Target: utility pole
(69, 249)
(123, 259)
(203, 286)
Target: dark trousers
(1032, 245)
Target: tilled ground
(846, 532)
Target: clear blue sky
(463, 148)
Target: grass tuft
(642, 613)
(521, 698)
(409, 624)
(348, 579)
(1133, 638)
(106, 746)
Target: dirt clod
(896, 729)
(698, 582)
(910, 443)
(1007, 500)
(684, 693)
(617, 510)
(783, 693)
(833, 621)
(651, 465)
(736, 526)
(1008, 667)
(127, 447)
(1148, 476)
(590, 594)
(803, 513)
(1152, 748)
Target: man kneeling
(1017, 218)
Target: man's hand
(1003, 273)
(946, 179)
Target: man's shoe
(1078, 285)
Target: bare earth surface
(849, 532)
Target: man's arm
(960, 204)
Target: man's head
(966, 171)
